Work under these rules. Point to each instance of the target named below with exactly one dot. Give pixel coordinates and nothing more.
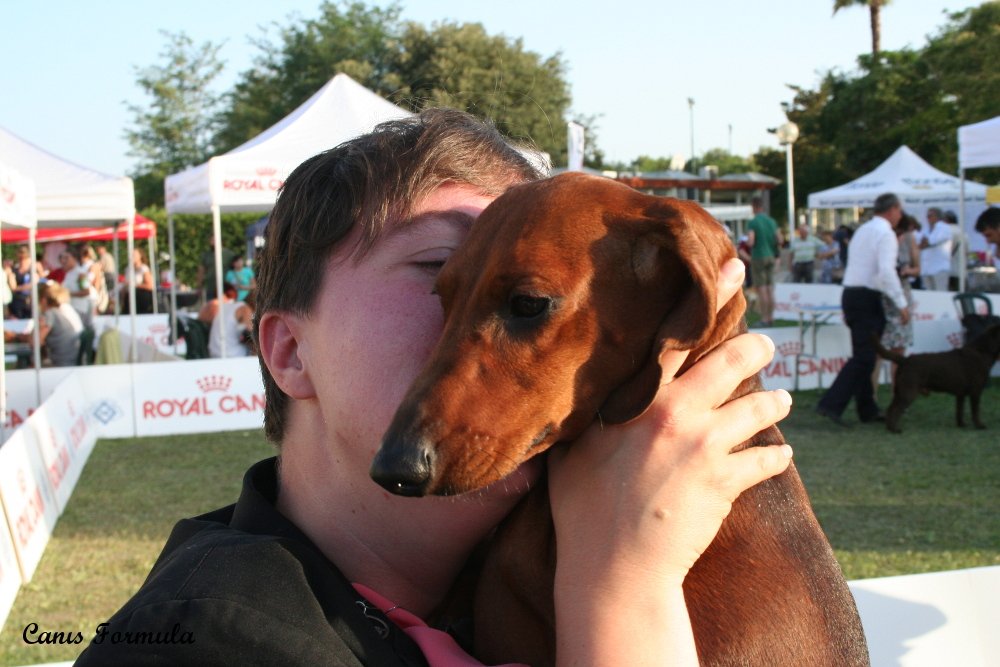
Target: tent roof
(979, 144)
(906, 175)
(17, 198)
(248, 177)
(68, 195)
(144, 228)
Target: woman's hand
(636, 504)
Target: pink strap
(440, 648)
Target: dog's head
(557, 308)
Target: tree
(175, 130)
(359, 41)
(875, 10)
(452, 64)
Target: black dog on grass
(962, 372)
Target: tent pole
(962, 238)
(35, 319)
(131, 290)
(151, 244)
(118, 263)
(173, 280)
(217, 233)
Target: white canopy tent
(978, 146)
(918, 185)
(248, 177)
(17, 209)
(69, 195)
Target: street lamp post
(787, 134)
(691, 109)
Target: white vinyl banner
(792, 298)
(198, 396)
(28, 502)
(65, 437)
(10, 574)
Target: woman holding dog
(315, 563)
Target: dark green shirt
(765, 231)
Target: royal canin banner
(28, 502)
(198, 396)
(65, 433)
(10, 573)
(793, 299)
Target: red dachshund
(557, 308)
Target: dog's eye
(523, 305)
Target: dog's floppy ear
(676, 248)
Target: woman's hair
(53, 293)
(373, 181)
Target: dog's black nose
(405, 469)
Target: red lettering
(148, 409)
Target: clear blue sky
(68, 66)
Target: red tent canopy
(144, 228)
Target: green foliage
(360, 41)
(452, 64)
(191, 234)
(727, 162)
(175, 129)
(852, 122)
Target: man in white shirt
(935, 258)
(870, 273)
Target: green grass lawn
(918, 502)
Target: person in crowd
(988, 224)
(107, 263)
(959, 249)
(765, 242)
(238, 318)
(210, 310)
(830, 268)
(843, 238)
(79, 283)
(935, 256)
(805, 249)
(870, 273)
(88, 258)
(240, 275)
(145, 287)
(59, 326)
(346, 316)
(8, 285)
(898, 334)
(20, 304)
(206, 268)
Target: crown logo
(955, 338)
(794, 296)
(214, 383)
(266, 171)
(790, 349)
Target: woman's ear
(278, 336)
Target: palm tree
(875, 8)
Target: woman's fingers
(710, 382)
(755, 464)
(742, 418)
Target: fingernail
(770, 343)
(787, 451)
(784, 397)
